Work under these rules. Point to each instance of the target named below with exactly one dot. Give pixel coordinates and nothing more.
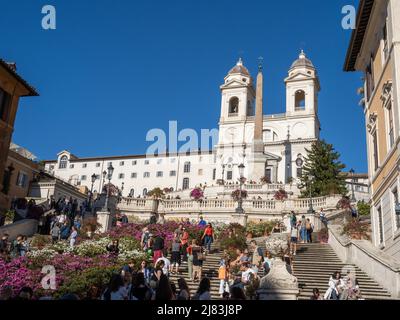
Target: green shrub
(82, 283)
(364, 209)
(40, 241)
(258, 229)
(10, 214)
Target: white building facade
(278, 158)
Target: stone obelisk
(257, 162)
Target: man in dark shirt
(158, 247)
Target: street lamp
(109, 174)
(310, 208)
(94, 177)
(353, 197)
(239, 209)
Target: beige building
(21, 170)
(375, 50)
(12, 87)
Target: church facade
(271, 148)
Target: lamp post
(94, 177)
(239, 209)
(353, 197)
(310, 208)
(109, 174)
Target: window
(131, 193)
(22, 180)
(185, 184)
(214, 174)
(234, 106)
(385, 44)
(159, 174)
(172, 173)
(84, 165)
(121, 176)
(229, 175)
(268, 175)
(5, 100)
(375, 152)
(134, 175)
(122, 163)
(200, 172)
(390, 125)
(134, 162)
(396, 203)
(186, 167)
(300, 100)
(83, 178)
(146, 175)
(369, 78)
(71, 166)
(144, 192)
(146, 162)
(63, 162)
(380, 225)
(98, 164)
(109, 164)
(159, 161)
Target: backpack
(308, 226)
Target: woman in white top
(72, 237)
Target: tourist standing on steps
(309, 230)
(223, 277)
(55, 232)
(323, 218)
(303, 230)
(184, 243)
(144, 240)
(257, 254)
(293, 219)
(294, 236)
(208, 237)
(198, 258)
(158, 247)
(202, 222)
(190, 260)
(203, 293)
(175, 255)
(184, 292)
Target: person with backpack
(198, 258)
(158, 247)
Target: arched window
(63, 162)
(186, 167)
(185, 184)
(234, 105)
(144, 192)
(300, 100)
(132, 193)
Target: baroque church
(271, 147)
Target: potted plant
(239, 194)
(197, 194)
(281, 195)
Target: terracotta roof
(357, 38)
(11, 68)
(302, 61)
(239, 68)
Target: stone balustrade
(131, 205)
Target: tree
(156, 193)
(322, 169)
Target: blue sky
(112, 70)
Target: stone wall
(27, 227)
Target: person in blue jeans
(208, 237)
(303, 229)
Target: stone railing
(269, 187)
(227, 205)
(381, 267)
(27, 227)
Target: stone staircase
(210, 270)
(315, 263)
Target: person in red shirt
(208, 237)
(184, 242)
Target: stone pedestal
(278, 284)
(104, 218)
(240, 218)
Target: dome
(240, 68)
(302, 61)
